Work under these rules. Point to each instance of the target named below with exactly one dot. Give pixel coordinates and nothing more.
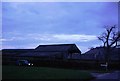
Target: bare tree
(110, 39)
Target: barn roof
(58, 48)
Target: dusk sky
(29, 24)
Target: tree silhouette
(110, 39)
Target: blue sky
(29, 24)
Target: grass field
(22, 72)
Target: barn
(53, 52)
(98, 53)
(43, 52)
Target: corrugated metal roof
(58, 47)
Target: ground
(24, 72)
(109, 76)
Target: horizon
(29, 24)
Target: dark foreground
(43, 73)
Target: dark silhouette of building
(98, 53)
(42, 52)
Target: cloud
(54, 37)
(60, 0)
(75, 37)
(32, 40)
(8, 47)
(57, 17)
(63, 37)
(43, 39)
(12, 39)
(5, 40)
(64, 23)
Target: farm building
(43, 52)
(98, 53)
(11, 55)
